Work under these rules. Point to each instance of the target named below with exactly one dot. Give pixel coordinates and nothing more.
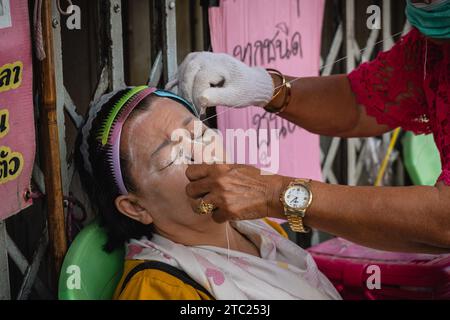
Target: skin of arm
(327, 106)
(403, 219)
(406, 219)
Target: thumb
(219, 96)
(219, 216)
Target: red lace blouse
(409, 87)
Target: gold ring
(205, 208)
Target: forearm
(327, 106)
(322, 105)
(406, 219)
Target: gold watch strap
(296, 223)
(295, 220)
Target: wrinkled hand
(216, 79)
(239, 192)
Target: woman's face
(161, 182)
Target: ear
(129, 206)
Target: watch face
(297, 197)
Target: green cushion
(98, 271)
(422, 159)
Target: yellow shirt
(151, 284)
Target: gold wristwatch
(297, 199)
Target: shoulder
(151, 284)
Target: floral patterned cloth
(283, 272)
(409, 87)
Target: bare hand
(239, 192)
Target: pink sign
(281, 34)
(17, 136)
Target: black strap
(164, 267)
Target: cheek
(175, 177)
(170, 184)
(165, 196)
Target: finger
(186, 84)
(199, 188)
(216, 97)
(189, 58)
(195, 203)
(220, 216)
(196, 172)
(210, 76)
(187, 62)
(200, 85)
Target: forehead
(162, 113)
(154, 125)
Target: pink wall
(285, 35)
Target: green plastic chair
(99, 272)
(422, 159)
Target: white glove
(216, 79)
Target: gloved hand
(216, 79)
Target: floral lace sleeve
(409, 87)
(390, 87)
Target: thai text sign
(17, 134)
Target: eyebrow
(161, 146)
(166, 142)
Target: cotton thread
(228, 244)
(426, 60)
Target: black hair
(100, 185)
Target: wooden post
(50, 146)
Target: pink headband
(116, 133)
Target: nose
(209, 149)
